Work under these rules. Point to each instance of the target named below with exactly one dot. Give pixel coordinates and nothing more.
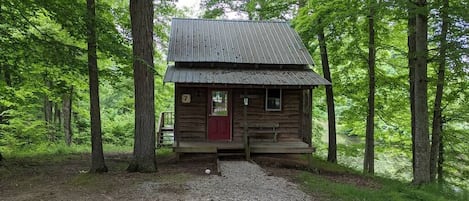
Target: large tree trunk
(144, 157)
(97, 156)
(67, 115)
(422, 145)
(411, 62)
(436, 124)
(368, 162)
(332, 149)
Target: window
(219, 103)
(273, 100)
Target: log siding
(191, 118)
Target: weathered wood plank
(191, 117)
(256, 147)
(288, 119)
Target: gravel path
(242, 180)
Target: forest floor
(65, 177)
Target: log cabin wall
(289, 118)
(294, 119)
(191, 118)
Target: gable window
(273, 100)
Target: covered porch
(284, 147)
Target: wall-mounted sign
(186, 98)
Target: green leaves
(345, 29)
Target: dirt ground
(66, 179)
(51, 179)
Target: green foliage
(337, 182)
(60, 151)
(380, 189)
(344, 24)
(44, 57)
(255, 10)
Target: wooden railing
(165, 132)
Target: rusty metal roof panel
(236, 41)
(244, 77)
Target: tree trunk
(48, 112)
(332, 149)
(436, 124)
(7, 77)
(368, 162)
(97, 156)
(47, 105)
(57, 114)
(422, 145)
(411, 62)
(67, 114)
(144, 157)
(441, 159)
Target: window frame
(267, 99)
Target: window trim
(266, 101)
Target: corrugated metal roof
(244, 77)
(258, 42)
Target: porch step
(230, 153)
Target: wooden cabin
(240, 85)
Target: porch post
(247, 149)
(176, 121)
(309, 124)
(309, 133)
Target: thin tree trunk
(332, 149)
(47, 105)
(7, 77)
(48, 112)
(57, 115)
(97, 156)
(67, 114)
(436, 124)
(1, 67)
(144, 157)
(368, 162)
(441, 159)
(411, 38)
(422, 144)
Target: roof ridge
(231, 20)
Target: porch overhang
(242, 77)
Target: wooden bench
(263, 130)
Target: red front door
(219, 121)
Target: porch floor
(293, 147)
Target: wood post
(176, 114)
(309, 122)
(247, 149)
